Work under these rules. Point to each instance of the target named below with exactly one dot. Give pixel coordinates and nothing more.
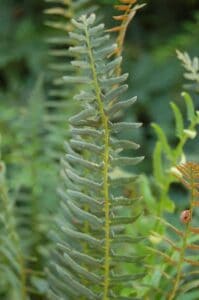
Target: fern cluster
(96, 242)
(89, 256)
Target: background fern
(12, 261)
(60, 93)
(30, 216)
(192, 69)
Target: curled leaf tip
(190, 133)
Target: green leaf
(168, 205)
(146, 192)
(163, 140)
(82, 236)
(115, 92)
(127, 160)
(80, 270)
(190, 106)
(178, 120)
(157, 162)
(84, 215)
(121, 105)
(82, 290)
(81, 257)
(189, 286)
(120, 126)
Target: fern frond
(190, 176)
(128, 8)
(191, 67)
(12, 262)
(28, 185)
(87, 264)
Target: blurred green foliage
(155, 77)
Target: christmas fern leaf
(87, 261)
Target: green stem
(182, 252)
(180, 264)
(104, 120)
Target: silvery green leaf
(115, 92)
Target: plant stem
(183, 249)
(180, 263)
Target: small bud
(185, 216)
(174, 171)
(182, 159)
(155, 239)
(190, 133)
(91, 19)
(83, 18)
